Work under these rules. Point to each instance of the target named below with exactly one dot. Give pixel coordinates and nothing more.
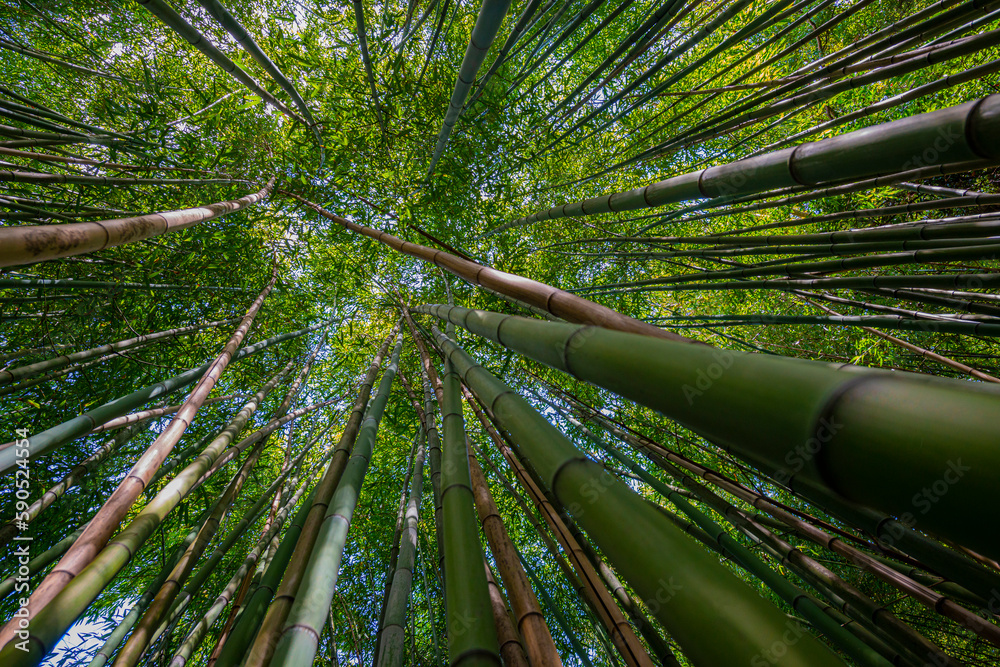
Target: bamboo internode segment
(28, 244)
(965, 132)
(686, 588)
(552, 299)
(801, 418)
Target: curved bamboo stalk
(556, 301)
(299, 639)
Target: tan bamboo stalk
(511, 650)
(104, 523)
(560, 303)
(611, 617)
(36, 564)
(538, 641)
(263, 646)
(27, 244)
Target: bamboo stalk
(298, 641)
(114, 510)
(28, 244)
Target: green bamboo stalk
(59, 283)
(432, 617)
(893, 532)
(897, 322)
(752, 563)
(404, 496)
(359, 18)
(161, 10)
(472, 638)
(491, 15)
(60, 434)
(44, 178)
(8, 376)
(984, 251)
(853, 155)
(26, 244)
(393, 634)
(299, 639)
(658, 374)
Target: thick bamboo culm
(595, 498)
(867, 426)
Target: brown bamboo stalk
(560, 303)
(610, 615)
(538, 641)
(511, 649)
